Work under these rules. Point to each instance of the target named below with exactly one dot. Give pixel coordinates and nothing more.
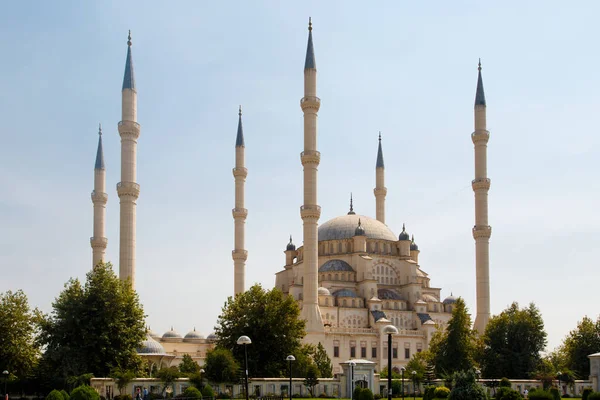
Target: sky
(407, 69)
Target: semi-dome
(336, 265)
(193, 335)
(172, 334)
(344, 227)
(429, 298)
(345, 293)
(151, 346)
(387, 294)
(323, 291)
(450, 299)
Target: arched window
(337, 277)
(344, 302)
(327, 303)
(353, 303)
(339, 247)
(328, 277)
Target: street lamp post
(414, 376)
(202, 371)
(245, 340)
(290, 358)
(478, 373)
(352, 364)
(402, 369)
(390, 330)
(5, 373)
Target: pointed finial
(309, 23)
(380, 136)
(479, 65)
(194, 329)
(129, 38)
(240, 112)
(413, 238)
(359, 222)
(171, 327)
(100, 129)
(351, 212)
(290, 239)
(451, 294)
(403, 227)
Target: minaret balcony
(100, 242)
(99, 197)
(239, 255)
(481, 183)
(310, 102)
(128, 189)
(380, 191)
(239, 213)
(310, 157)
(127, 128)
(310, 211)
(480, 136)
(482, 231)
(240, 172)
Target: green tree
(312, 379)
(417, 363)
(512, 343)
(94, 328)
(188, 366)
(323, 362)
(168, 376)
(192, 393)
(84, 392)
(581, 342)
(122, 378)
(220, 366)
(19, 350)
(271, 320)
(54, 395)
(453, 349)
(465, 387)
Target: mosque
(353, 276)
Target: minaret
(310, 211)
(482, 230)
(240, 172)
(128, 190)
(380, 189)
(99, 198)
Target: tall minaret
(310, 211)
(240, 172)
(128, 189)
(380, 189)
(99, 198)
(482, 230)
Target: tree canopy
(94, 328)
(512, 343)
(453, 350)
(221, 366)
(580, 343)
(188, 366)
(19, 351)
(272, 322)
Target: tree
(168, 376)
(84, 392)
(271, 320)
(122, 378)
(94, 328)
(192, 393)
(581, 342)
(417, 363)
(220, 366)
(188, 366)
(312, 379)
(465, 387)
(323, 362)
(453, 349)
(512, 343)
(19, 351)
(55, 395)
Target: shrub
(586, 392)
(376, 396)
(396, 388)
(192, 392)
(356, 393)
(223, 396)
(540, 394)
(566, 396)
(465, 387)
(506, 393)
(555, 393)
(365, 394)
(65, 394)
(84, 392)
(594, 396)
(208, 391)
(55, 395)
(428, 393)
(441, 392)
(505, 382)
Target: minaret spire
(128, 189)
(99, 199)
(482, 230)
(239, 254)
(310, 210)
(380, 189)
(351, 212)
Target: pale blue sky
(404, 68)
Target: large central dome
(343, 228)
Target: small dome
(335, 265)
(343, 227)
(413, 245)
(193, 335)
(150, 346)
(323, 291)
(290, 246)
(172, 334)
(403, 235)
(212, 336)
(429, 298)
(345, 293)
(420, 302)
(152, 334)
(388, 294)
(359, 231)
(450, 299)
